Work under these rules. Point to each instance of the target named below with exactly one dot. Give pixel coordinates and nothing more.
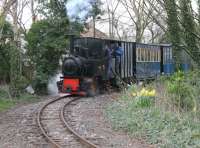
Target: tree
(33, 13)
(53, 9)
(113, 20)
(9, 56)
(47, 41)
(173, 26)
(46, 44)
(198, 12)
(137, 12)
(95, 11)
(5, 45)
(189, 28)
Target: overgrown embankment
(165, 113)
(6, 101)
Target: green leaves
(6, 36)
(96, 10)
(174, 30)
(53, 9)
(184, 89)
(47, 40)
(46, 43)
(189, 27)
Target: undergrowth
(6, 102)
(170, 119)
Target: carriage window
(158, 55)
(170, 53)
(138, 54)
(167, 54)
(145, 54)
(154, 55)
(149, 55)
(142, 54)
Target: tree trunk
(15, 55)
(94, 29)
(33, 12)
(139, 33)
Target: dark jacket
(119, 51)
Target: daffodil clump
(145, 93)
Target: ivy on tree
(5, 46)
(189, 29)
(173, 26)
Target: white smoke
(52, 84)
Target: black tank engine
(84, 67)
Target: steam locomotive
(84, 70)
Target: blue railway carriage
(145, 61)
(167, 66)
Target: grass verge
(6, 102)
(155, 119)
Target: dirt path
(18, 127)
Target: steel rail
(41, 127)
(39, 122)
(80, 138)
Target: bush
(3, 94)
(40, 82)
(184, 90)
(6, 102)
(46, 43)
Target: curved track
(53, 125)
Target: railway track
(56, 129)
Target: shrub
(182, 90)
